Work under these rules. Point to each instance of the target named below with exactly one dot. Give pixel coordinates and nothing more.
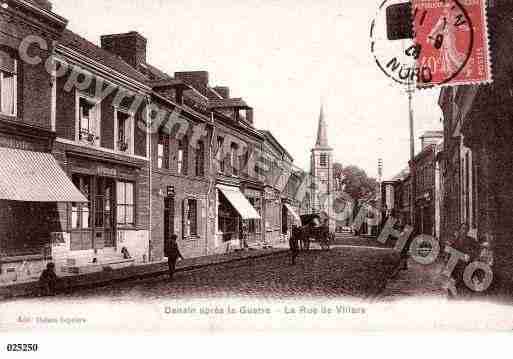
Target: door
(105, 231)
(169, 218)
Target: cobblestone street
(343, 271)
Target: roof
(273, 139)
(322, 131)
(156, 73)
(401, 175)
(87, 48)
(433, 134)
(168, 83)
(227, 103)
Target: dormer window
(8, 84)
(88, 121)
(241, 114)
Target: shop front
(32, 187)
(110, 229)
(236, 217)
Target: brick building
(477, 161)
(109, 156)
(31, 181)
(104, 150)
(281, 208)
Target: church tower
(321, 168)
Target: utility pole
(410, 90)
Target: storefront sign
(16, 144)
(107, 172)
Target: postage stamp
(451, 42)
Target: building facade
(108, 156)
(32, 185)
(477, 161)
(321, 171)
(281, 208)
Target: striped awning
(34, 177)
(239, 202)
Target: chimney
(223, 91)
(431, 138)
(196, 79)
(44, 4)
(131, 47)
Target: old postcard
(309, 166)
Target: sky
(284, 57)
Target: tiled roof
(156, 73)
(168, 83)
(87, 48)
(227, 103)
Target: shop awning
(239, 202)
(293, 212)
(34, 177)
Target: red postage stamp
(451, 39)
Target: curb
(70, 284)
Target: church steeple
(322, 131)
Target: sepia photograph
(269, 166)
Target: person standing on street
(48, 280)
(294, 244)
(173, 253)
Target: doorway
(169, 218)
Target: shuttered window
(8, 84)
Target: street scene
(159, 156)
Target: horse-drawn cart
(312, 231)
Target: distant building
(321, 170)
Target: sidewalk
(418, 280)
(134, 272)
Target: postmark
(449, 45)
(451, 42)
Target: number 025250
(22, 347)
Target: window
(241, 115)
(183, 156)
(284, 220)
(200, 159)
(88, 121)
(124, 126)
(254, 224)
(8, 84)
(227, 217)
(192, 217)
(125, 203)
(163, 151)
(233, 159)
(220, 154)
(80, 212)
(324, 160)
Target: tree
(355, 181)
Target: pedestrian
(294, 244)
(172, 253)
(48, 280)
